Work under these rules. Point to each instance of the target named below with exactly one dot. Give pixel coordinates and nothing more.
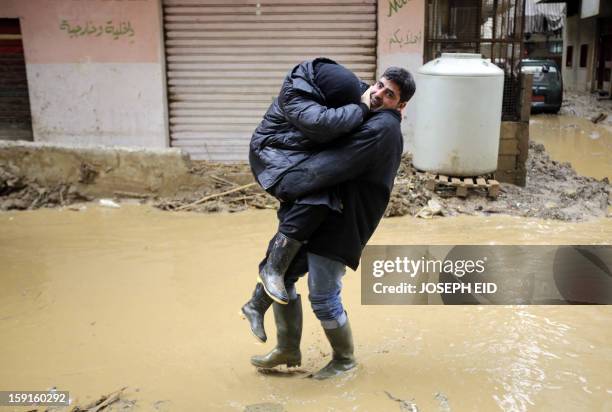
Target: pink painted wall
(47, 39)
(401, 35)
(95, 69)
(401, 26)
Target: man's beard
(375, 105)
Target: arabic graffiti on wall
(401, 38)
(395, 5)
(121, 29)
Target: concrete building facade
(95, 70)
(587, 39)
(99, 71)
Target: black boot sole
(288, 365)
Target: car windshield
(542, 74)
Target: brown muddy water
(95, 300)
(587, 146)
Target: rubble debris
(443, 401)
(109, 203)
(225, 188)
(599, 118)
(587, 106)
(553, 191)
(18, 193)
(405, 406)
(87, 173)
(113, 401)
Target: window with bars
(492, 28)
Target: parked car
(547, 89)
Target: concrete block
(525, 96)
(505, 176)
(508, 130)
(506, 162)
(508, 147)
(523, 142)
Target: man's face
(385, 94)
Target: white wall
(576, 33)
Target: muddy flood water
(95, 300)
(587, 146)
(98, 299)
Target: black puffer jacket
(297, 123)
(364, 166)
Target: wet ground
(587, 146)
(95, 300)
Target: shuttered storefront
(226, 62)
(15, 118)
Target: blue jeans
(324, 287)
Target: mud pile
(553, 191)
(18, 193)
(587, 106)
(225, 188)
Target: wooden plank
(443, 179)
(468, 182)
(462, 191)
(455, 181)
(493, 190)
(481, 182)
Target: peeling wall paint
(95, 70)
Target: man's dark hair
(404, 81)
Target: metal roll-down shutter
(226, 62)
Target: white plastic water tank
(458, 115)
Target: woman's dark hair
(403, 79)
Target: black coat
(296, 123)
(364, 166)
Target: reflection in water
(587, 146)
(95, 300)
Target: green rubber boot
(272, 276)
(288, 319)
(343, 359)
